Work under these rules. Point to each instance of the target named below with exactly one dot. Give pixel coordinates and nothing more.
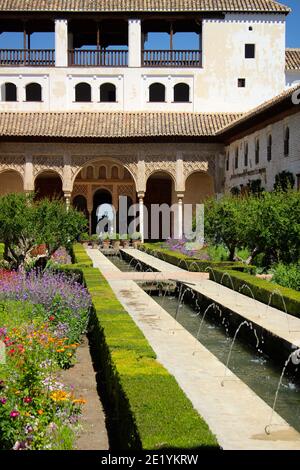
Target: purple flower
(3, 401)
(20, 445)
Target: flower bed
(42, 318)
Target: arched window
(33, 92)
(181, 93)
(287, 142)
(257, 151)
(227, 161)
(157, 93)
(246, 151)
(236, 163)
(9, 92)
(269, 148)
(102, 172)
(83, 93)
(90, 173)
(115, 173)
(108, 93)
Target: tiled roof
(144, 5)
(111, 125)
(284, 97)
(292, 59)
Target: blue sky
(159, 41)
(293, 23)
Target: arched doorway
(10, 182)
(48, 185)
(198, 187)
(80, 203)
(102, 197)
(159, 191)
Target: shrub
(287, 275)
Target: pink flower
(3, 401)
(14, 414)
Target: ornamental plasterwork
(126, 190)
(159, 163)
(48, 163)
(198, 163)
(79, 161)
(80, 190)
(13, 162)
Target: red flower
(52, 318)
(11, 352)
(27, 400)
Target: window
(181, 93)
(246, 152)
(249, 51)
(115, 173)
(257, 151)
(157, 93)
(90, 173)
(33, 92)
(298, 182)
(269, 148)
(241, 82)
(236, 162)
(102, 172)
(9, 92)
(227, 162)
(287, 142)
(83, 93)
(108, 93)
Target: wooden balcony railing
(98, 58)
(171, 58)
(27, 57)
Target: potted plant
(84, 239)
(115, 240)
(125, 240)
(136, 238)
(105, 238)
(95, 240)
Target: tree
(284, 181)
(222, 221)
(25, 224)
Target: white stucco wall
(265, 170)
(213, 87)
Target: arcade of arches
(87, 181)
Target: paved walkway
(276, 321)
(234, 412)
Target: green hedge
(192, 264)
(261, 289)
(149, 409)
(1, 250)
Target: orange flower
(40, 412)
(79, 401)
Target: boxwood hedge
(147, 407)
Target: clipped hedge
(148, 408)
(1, 250)
(192, 264)
(261, 289)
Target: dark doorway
(158, 191)
(79, 203)
(48, 185)
(102, 196)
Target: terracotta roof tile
(292, 59)
(143, 5)
(112, 125)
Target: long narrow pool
(252, 367)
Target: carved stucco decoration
(126, 190)
(80, 190)
(198, 163)
(48, 163)
(160, 163)
(13, 162)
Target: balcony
(27, 57)
(171, 58)
(98, 58)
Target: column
(28, 175)
(67, 195)
(179, 229)
(134, 43)
(61, 43)
(141, 214)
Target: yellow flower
(59, 395)
(79, 401)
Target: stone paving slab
(234, 412)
